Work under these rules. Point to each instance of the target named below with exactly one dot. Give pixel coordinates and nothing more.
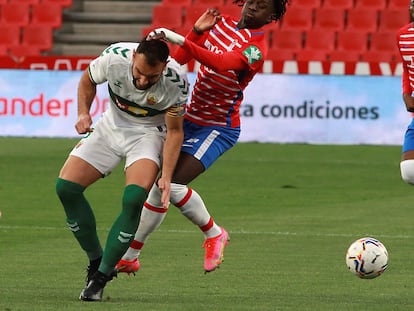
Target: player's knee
(178, 193)
(154, 197)
(133, 200)
(67, 190)
(407, 171)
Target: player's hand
(83, 124)
(207, 21)
(165, 187)
(409, 102)
(166, 34)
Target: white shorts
(106, 146)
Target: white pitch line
(241, 232)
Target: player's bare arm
(409, 102)
(86, 94)
(172, 147)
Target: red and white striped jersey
(230, 58)
(405, 42)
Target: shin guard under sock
(79, 216)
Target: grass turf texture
(291, 211)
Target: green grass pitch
(291, 211)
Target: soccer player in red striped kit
(405, 42)
(230, 53)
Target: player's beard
(140, 87)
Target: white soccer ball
(367, 258)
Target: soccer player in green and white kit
(143, 125)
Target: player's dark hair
(155, 51)
(279, 5)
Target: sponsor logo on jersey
(152, 99)
(253, 54)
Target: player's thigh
(92, 158)
(187, 169)
(202, 146)
(79, 171)
(408, 144)
(142, 172)
(143, 159)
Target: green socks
(123, 230)
(79, 216)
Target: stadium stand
(390, 20)
(277, 55)
(311, 55)
(338, 4)
(329, 19)
(231, 10)
(344, 56)
(397, 4)
(86, 27)
(298, 19)
(352, 41)
(37, 36)
(287, 40)
(307, 4)
(63, 3)
(182, 3)
(361, 19)
(9, 35)
(210, 3)
(379, 56)
(320, 40)
(15, 13)
(383, 42)
(168, 16)
(371, 4)
(47, 14)
(29, 2)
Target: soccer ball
(367, 258)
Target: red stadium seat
(15, 14)
(3, 50)
(28, 2)
(392, 20)
(182, 3)
(23, 51)
(383, 41)
(47, 14)
(38, 36)
(344, 56)
(275, 54)
(352, 41)
(308, 4)
(9, 35)
(210, 3)
(379, 56)
(371, 4)
(193, 12)
(364, 20)
(320, 40)
(329, 19)
(338, 4)
(298, 18)
(309, 55)
(232, 10)
(398, 4)
(168, 16)
(291, 40)
(62, 3)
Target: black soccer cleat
(92, 268)
(94, 290)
